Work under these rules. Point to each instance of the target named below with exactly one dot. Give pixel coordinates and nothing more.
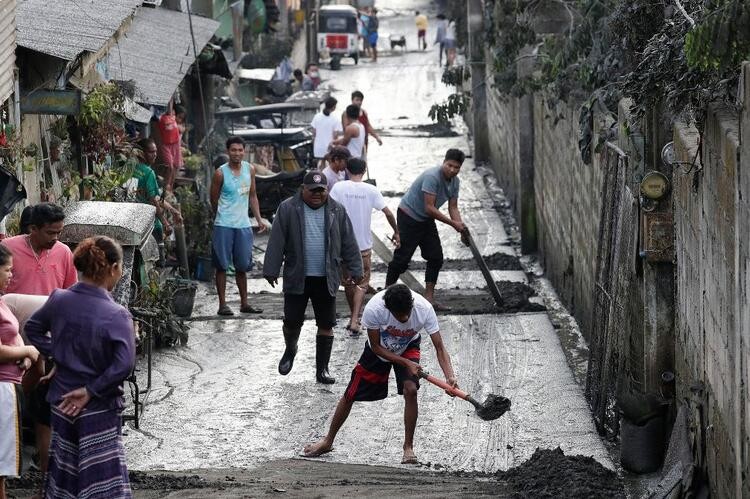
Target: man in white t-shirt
(393, 318)
(325, 128)
(359, 199)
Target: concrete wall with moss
(712, 236)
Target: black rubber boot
(291, 335)
(323, 347)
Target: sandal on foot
(247, 309)
(352, 331)
(410, 460)
(225, 310)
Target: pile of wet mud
(429, 130)
(516, 296)
(32, 480)
(495, 261)
(162, 481)
(550, 473)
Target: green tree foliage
(650, 50)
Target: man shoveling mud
(416, 216)
(393, 318)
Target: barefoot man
(393, 318)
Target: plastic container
(204, 269)
(183, 297)
(642, 445)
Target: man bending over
(393, 318)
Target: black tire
(335, 63)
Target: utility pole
(475, 16)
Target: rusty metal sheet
(658, 237)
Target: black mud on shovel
(492, 408)
(483, 267)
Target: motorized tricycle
(338, 34)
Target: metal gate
(610, 362)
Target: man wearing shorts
(421, 22)
(232, 193)
(312, 236)
(357, 98)
(393, 318)
(359, 199)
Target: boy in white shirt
(325, 129)
(393, 318)
(359, 199)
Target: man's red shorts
(370, 376)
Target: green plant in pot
(193, 163)
(196, 216)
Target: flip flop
(251, 310)
(410, 460)
(313, 454)
(352, 331)
(225, 310)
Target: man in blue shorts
(232, 193)
(393, 318)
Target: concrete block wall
(742, 295)
(708, 346)
(568, 207)
(502, 121)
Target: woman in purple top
(92, 343)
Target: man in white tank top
(354, 132)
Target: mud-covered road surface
(221, 421)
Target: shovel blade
(493, 407)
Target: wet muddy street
(220, 410)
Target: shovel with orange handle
(493, 407)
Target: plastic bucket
(183, 297)
(204, 269)
(642, 446)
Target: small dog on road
(398, 41)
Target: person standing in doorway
(357, 99)
(325, 129)
(232, 197)
(92, 341)
(359, 199)
(312, 236)
(41, 264)
(417, 213)
(394, 318)
(442, 27)
(170, 146)
(336, 169)
(354, 132)
(422, 23)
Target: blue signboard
(51, 102)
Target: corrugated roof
(157, 52)
(65, 28)
(7, 47)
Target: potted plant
(193, 163)
(196, 214)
